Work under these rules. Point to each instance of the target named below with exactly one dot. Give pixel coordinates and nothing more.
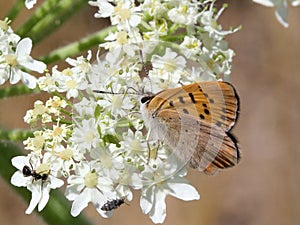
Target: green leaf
(109, 138)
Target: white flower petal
(72, 191)
(134, 20)
(44, 198)
(28, 80)
(295, 3)
(183, 191)
(146, 200)
(81, 202)
(267, 3)
(20, 161)
(19, 180)
(24, 47)
(281, 14)
(105, 9)
(36, 194)
(33, 65)
(97, 198)
(98, 201)
(55, 182)
(105, 214)
(30, 3)
(15, 75)
(158, 212)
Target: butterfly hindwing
(200, 144)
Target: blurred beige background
(264, 188)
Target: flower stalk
(78, 46)
(15, 9)
(16, 90)
(15, 135)
(51, 15)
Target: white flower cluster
(97, 142)
(15, 58)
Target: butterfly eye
(146, 99)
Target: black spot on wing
(185, 111)
(192, 98)
(181, 100)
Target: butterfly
(195, 121)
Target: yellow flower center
(38, 142)
(57, 131)
(122, 37)
(169, 65)
(66, 154)
(71, 84)
(67, 72)
(43, 169)
(11, 59)
(89, 136)
(122, 12)
(39, 109)
(90, 179)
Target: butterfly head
(146, 99)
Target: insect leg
(148, 145)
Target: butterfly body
(195, 122)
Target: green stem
(15, 9)
(77, 47)
(37, 16)
(57, 210)
(61, 121)
(15, 135)
(15, 90)
(51, 15)
(173, 28)
(174, 38)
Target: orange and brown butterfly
(195, 121)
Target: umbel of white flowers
(102, 152)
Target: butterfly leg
(148, 145)
(156, 149)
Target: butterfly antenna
(107, 92)
(118, 93)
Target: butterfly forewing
(215, 102)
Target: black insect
(113, 204)
(36, 176)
